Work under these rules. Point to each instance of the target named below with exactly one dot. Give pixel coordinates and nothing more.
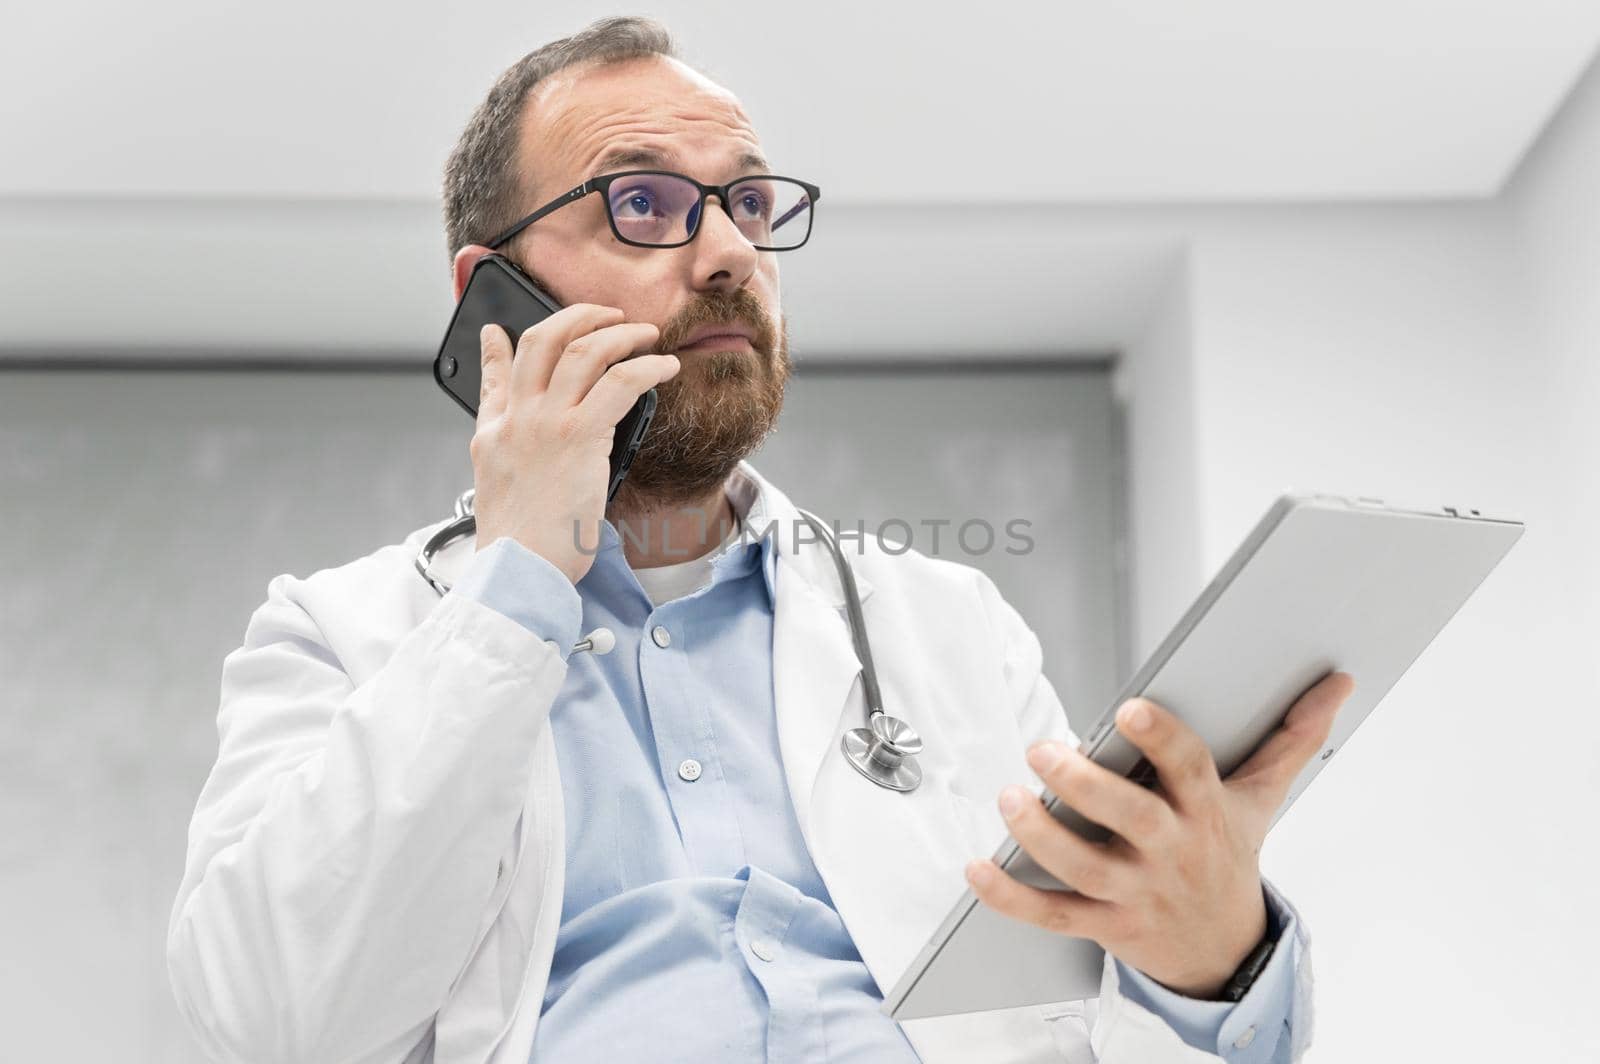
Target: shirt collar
(748, 496)
(765, 507)
(754, 546)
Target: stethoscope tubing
(852, 605)
(884, 751)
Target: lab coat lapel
(814, 664)
(892, 861)
(814, 669)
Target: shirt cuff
(526, 587)
(1247, 1031)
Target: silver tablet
(1322, 583)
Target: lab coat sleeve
(349, 841)
(1123, 1030)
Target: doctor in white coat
(398, 856)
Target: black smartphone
(501, 293)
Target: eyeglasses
(661, 209)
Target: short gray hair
(481, 182)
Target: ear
(466, 259)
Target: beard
(719, 408)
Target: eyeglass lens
(771, 212)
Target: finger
(495, 370)
(1063, 912)
(1280, 757)
(620, 387)
(541, 345)
(1117, 804)
(585, 359)
(1182, 761)
(1085, 866)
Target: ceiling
(1066, 102)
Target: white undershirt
(663, 583)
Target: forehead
(581, 115)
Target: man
(436, 832)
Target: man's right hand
(541, 453)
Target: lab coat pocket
(506, 871)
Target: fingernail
(977, 872)
(1045, 756)
(1011, 799)
(1138, 717)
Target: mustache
(714, 308)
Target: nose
(723, 253)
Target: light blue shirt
(694, 926)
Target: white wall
(1443, 355)
(1553, 210)
(1376, 352)
(297, 280)
(1155, 381)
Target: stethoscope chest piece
(885, 752)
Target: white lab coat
(375, 866)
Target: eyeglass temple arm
(560, 201)
(791, 212)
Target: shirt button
(661, 636)
(1244, 1040)
(689, 770)
(764, 948)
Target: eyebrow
(626, 158)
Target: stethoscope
(885, 751)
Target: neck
(653, 534)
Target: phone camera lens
(447, 366)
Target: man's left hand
(1176, 891)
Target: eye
(638, 200)
(753, 203)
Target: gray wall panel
(148, 510)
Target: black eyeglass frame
(602, 184)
